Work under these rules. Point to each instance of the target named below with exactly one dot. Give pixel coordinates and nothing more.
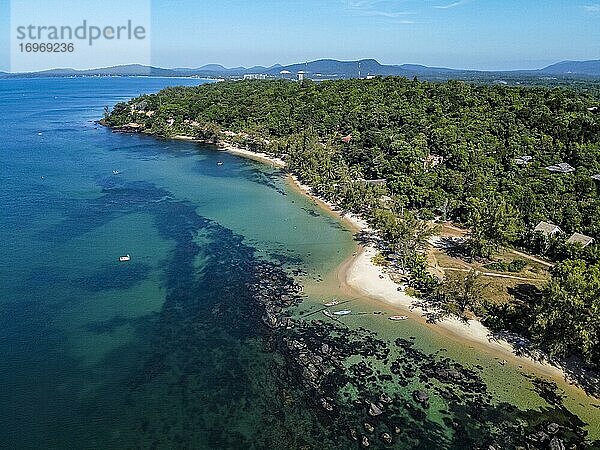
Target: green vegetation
(515, 266)
(380, 260)
(570, 309)
(446, 150)
(462, 293)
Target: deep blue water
(162, 351)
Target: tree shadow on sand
(512, 325)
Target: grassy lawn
(497, 288)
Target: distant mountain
(589, 68)
(127, 70)
(330, 69)
(341, 69)
(213, 68)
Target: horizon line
(292, 64)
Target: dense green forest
(446, 150)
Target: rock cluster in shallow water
(372, 394)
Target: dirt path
(533, 258)
(492, 274)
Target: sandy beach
(230, 148)
(363, 278)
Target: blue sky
(480, 34)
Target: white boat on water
(332, 303)
(220, 163)
(398, 317)
(343, 312)
(125, 258)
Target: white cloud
(452, 5)
(595, 8)
(376, 8)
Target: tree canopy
(452, 150)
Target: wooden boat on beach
(396, 318)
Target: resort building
(562, 167)
(582, 239)
(255, 76)
(547, 229)
(378, 182)
(523, 160)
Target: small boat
(220, 163)
(343, 312)
(332, 303)
(116, 172)
(398, 317)
(327, 313)
(125, 258)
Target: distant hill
(126, 70)
(331, 69)
(589, 68)
(341, 69)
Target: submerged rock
(556, 444)
(421, 397)
(385, 399)
(327, 404)
(553, 428)
(538, 436)
(386, 437)
(375, 410)
(353, 434)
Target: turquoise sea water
(80, 333)
(169, 349)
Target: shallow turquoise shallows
(79, 361)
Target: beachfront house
(523, 160)
(377, 182)
(582, 239)
(562, 167)
(547, 229)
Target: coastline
(230, 148)
(365, 278)
(359, 276)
